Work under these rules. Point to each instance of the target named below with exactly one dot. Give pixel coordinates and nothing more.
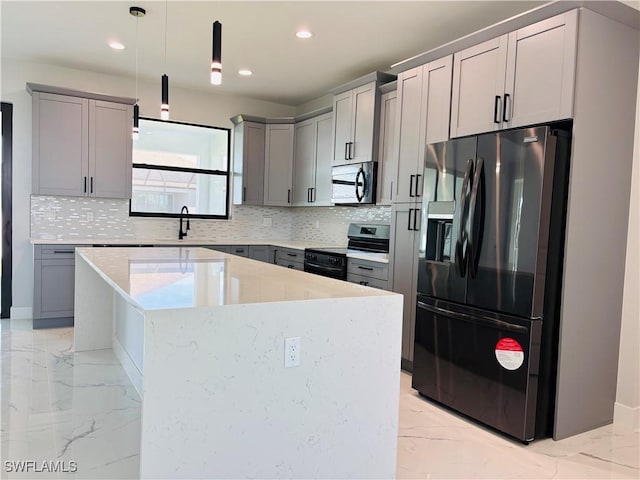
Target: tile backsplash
(55, 218)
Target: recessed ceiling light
(116, 45)
(304, 34)
(245, 72)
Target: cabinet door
(362, 148)
(410, 131)
(388, 168)
(541, 71)
(60, 147)
(321, 194)
(278, 167)
(405, 256)
(304, 162)
(253, 164)
(342, 123)
(259, 252)
(53, 288)
(110, 149)
(437, 90)
(478, 86)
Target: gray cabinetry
(388, 169)
(356, 110)
(259, 252)
(520, 78)
(240, 250)
(422, 117)
(365, 272)
(290, 258)
(278, 166)
(312, 161)
(54, 276)
(81, 146)
(404, 258)
(248, 162)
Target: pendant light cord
(137, 19)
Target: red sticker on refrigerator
(509, 353)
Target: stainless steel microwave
(354, 184)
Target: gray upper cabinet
(422, 116)
(81, 146)
(520, 78)
(312, 161)
(388, 169)
(354, 127)
(278, 167)
(248, 163)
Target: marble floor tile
(61, 406)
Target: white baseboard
(626, 416)
(21, 312)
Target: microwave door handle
(477, 218)
(461, 242)
(364, 185)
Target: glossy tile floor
(66, 410)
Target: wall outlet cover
(292, 352)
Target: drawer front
(55, 252)
(240, 250)
(292, 265)
(368, 281)
(376, 270)
(289, 255)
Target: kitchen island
(202, 336)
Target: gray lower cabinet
(366, 272)
(54, 277)
(219, 248)
(290, 258)
(259, 252)
(240, 250)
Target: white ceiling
(350, 39)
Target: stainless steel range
(364, 238)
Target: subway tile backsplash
(55, 217)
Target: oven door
(325, 270)
(354, 183)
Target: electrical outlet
(90, 216)
(266, 221)
(292, 352)
(317, 223)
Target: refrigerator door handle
(490, 322)
(461, 242)
(477, 218)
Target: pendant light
(164, 107)
(137, 12)
(216, 56)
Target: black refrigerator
(489, 276)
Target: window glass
(176, 165)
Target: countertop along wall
(186, 105)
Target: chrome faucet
(182, 234)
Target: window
(178, 164)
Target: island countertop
(246, 369)
(191, 277)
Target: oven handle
(324, 268)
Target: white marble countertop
(297, 244)
(190, 277)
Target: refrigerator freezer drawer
(479, 364)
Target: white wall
(627, 408)
(186, 105)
